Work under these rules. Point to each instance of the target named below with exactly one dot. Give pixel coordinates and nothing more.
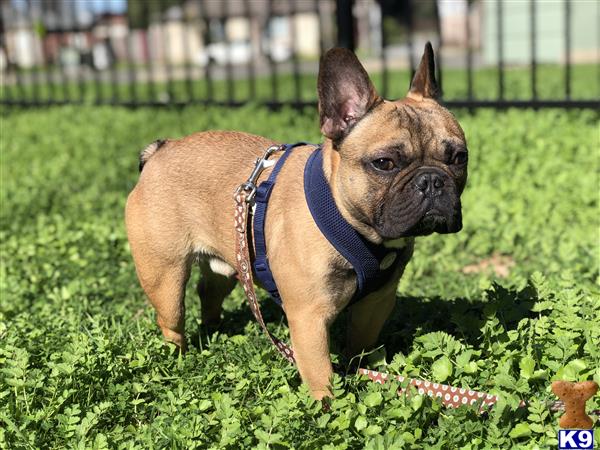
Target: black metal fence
(177, 52)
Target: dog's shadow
(460, 317)
(236, 319)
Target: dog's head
(398, 167)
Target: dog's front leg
(366, 319)
(309, 330)
(368, 316)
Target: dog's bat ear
(423, 84)
(346, 92)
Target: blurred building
(550, 20)
(69, 33)
(42, 32)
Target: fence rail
(491, 53)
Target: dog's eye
(384, 164)
(460, 158)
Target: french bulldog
(396, 170)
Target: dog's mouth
(421, 219)
(435, 222)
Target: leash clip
(262, 163)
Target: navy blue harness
(373, 264)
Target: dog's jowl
(393, 170)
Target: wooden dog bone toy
(574, 396)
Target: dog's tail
(150, 150)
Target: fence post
(345, 24)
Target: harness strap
(331, 223)
(263, 192)
(373, 264)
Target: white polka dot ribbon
(450, 396)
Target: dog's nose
(430, 183)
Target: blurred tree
(139, 12)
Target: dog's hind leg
(162, 262)
(164, 285)
(216, 283)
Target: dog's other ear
(423, 84)
(345, 92)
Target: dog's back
(181, 179)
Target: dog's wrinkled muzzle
(428, 204)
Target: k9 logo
(575, 439)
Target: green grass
(517, 81)
(82, 363)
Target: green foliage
(517, 85)
(82, 363)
